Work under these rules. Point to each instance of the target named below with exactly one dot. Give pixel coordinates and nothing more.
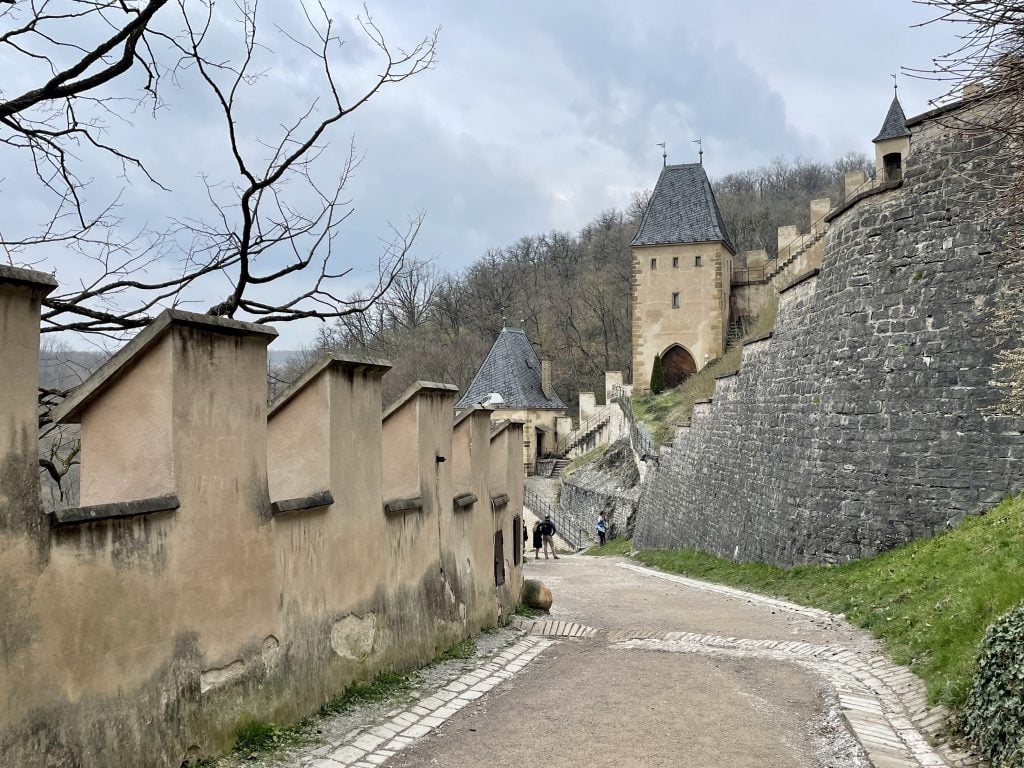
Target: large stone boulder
(536, 595)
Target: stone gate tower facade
(682, 263)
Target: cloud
(538, 116)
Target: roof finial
(895, 85)
(700, 149)
(664, 154)
(504, 321)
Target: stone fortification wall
(232, 563)
(610, 485)
(868, 418)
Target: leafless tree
(986, 69)
(84, 68)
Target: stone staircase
(795, 250)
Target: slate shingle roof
(682, 209)
(895, 125)
(512, 369)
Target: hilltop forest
(570, 291)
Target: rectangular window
(696, 261)
(654, 263)
(499, 558)
(517, 534)
(675, 262)
(675, 301)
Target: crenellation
(228, 559)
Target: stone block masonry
(869, 417)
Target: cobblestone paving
(376, 745)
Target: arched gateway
(677, 365)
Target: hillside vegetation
(664, 412)
(929, 601)
(569, 291)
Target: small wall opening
(499, 558)
(893, 164)
(518, 539)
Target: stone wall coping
(115, 510)
(401, 506)
(846, 205)
(499, 500)
(335, 361)
(416, 388)
(505, 424)
(945, 109)
(464, 501)
(801, 278)
(757, 339)
(461, 416)
(70, 411)
(29, 277)
(313, 501)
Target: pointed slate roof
(512, 369)
(682, 209)
(895, 125)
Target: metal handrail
(541, 509)
(788, 253)
(641, 440)
(585, 428)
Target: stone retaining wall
(868, 418)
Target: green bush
(993, 719)
(657, 376)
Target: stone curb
(373, 746)
(884, 704)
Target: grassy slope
(619, 546)
(661, 413)
(929, 602)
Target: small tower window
(697, 261)
(654, 263)
(893, 163)
(675, 301)
(675, 262)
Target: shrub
(993, 719)
(657, 376)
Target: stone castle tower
(682, 262)
(689, 282)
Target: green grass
(673, 407)
(618, 546)
(929, 602)
(527, 612)
(581, 461)
(383, 686)
(255, 736)
(463, 650)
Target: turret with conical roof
(892, 143)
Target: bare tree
(88, 66)
(987, 70)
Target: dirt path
(597, 702)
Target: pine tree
(657, 377)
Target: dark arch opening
(677, 365)
(893, 163)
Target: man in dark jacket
(547, 532)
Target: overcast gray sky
(541, 114)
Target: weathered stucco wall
(699, 323)
(868, 418)
(143, 633)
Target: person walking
(547, 532)
(537, 540)
(602, 527)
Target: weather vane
(895, 85)
(664, 154)
(700, 149)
